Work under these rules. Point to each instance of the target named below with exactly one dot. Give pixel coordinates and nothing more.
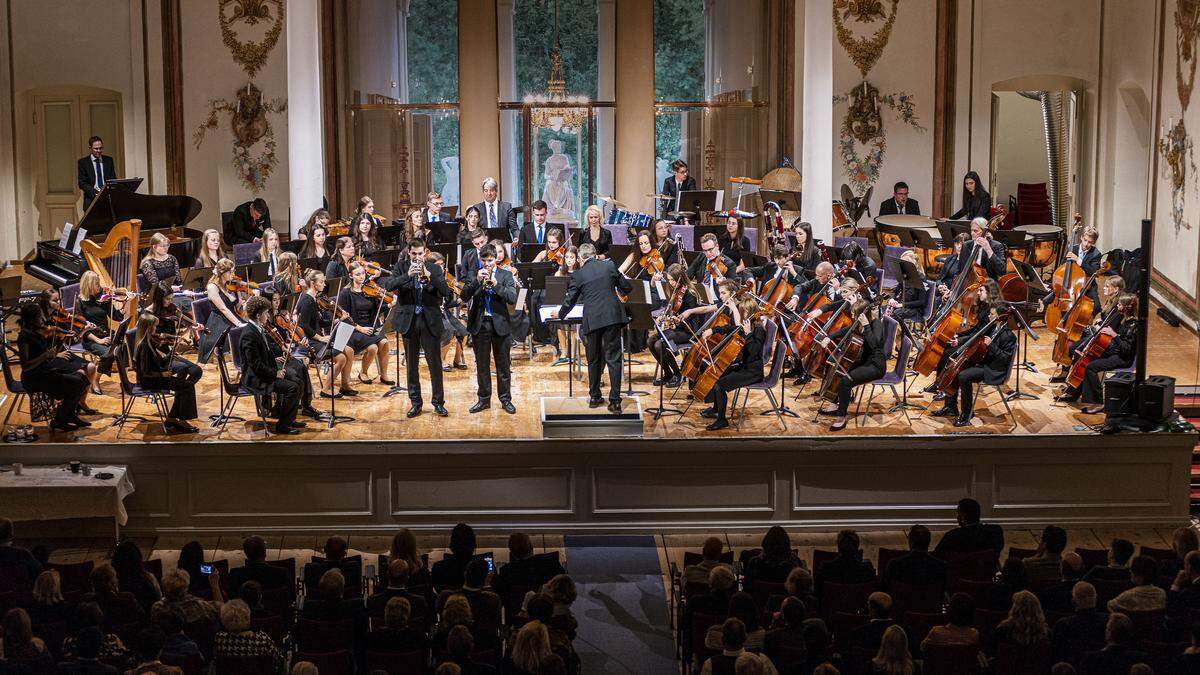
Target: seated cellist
(1110, 290)
(993, 369)
(1120, 354)
(985, 296)
(872, 361)
(746, 369)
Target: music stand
(443, 232)
(1037, 289)
(638, 306)
(1026, 332)
(500, 233)
(949, 229)
(10, 291)
(336, 344)
(553, 296)
(391, 235)
(574, 317)
(257, 272)
(786, 199)
(908, 277)
(450, 252)
(389, 321)
(661, 410)
(697, 201)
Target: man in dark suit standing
(596, 284)
(489, 293)
(899, 204)
(533, 234)
(257, 569)
(248, 222)
(469, 264)
(93, 170)
(420, 288)
(263, 374)
(496, 213)
(678, 181)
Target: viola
(374, 290)
(671, 316)
(325, 304)
(717, 268)
(55, 332)
(289, 327)
(64, 319)
(117, 294)
(556, 255)
(240, 285)
(455, 287)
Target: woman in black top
(976, 202)
(673, 329)
(156, 373)
(865, 272)
(911, 306)
(993, 369)
(50, 301)
(805, 252)
(871, 363)
(660, 236)
(1120, 353)
(315, 246)
(365, 231)
(594, 232)
(46, 370)
(339, 263)
(158, 265)
(364, 312)
(747, 369)
(308, 318)
(734, 243)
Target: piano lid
(114, 205)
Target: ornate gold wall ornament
(863, 126)
(864, 52)
(248, 54)
(249, 124)
(1175, 147)
(863, 11)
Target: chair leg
(16, 403)
(1004, 400)
(975, 398)
(776, 408)
(899, 404)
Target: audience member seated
(561, 590)
(710, 554)
(1084, 629)
(775, 561)
(257, 569)
(132, 576)
(48, 605)
(917, 567)
(848, 567)
(19, 642)
(819, 644)
(461, 646)
(742, 608)
(958, 629)
(485, 605)
(1185, 589)
(1045, 568)
(397, 587)
(1117, 569)
(893, 656)
(1011, 580)
(191, 557)
(112, 650)
(1188, 662)
(1144, 596)
(404, 547)
(524, 569)
(119, 607)
(238, 640)
(541, 608)
(397, 635)
(720, 589)
(1184, 540)
(12, 555)
(868, 636)
(971, 535)
(733, 648)
(530, 650)
(148, 648)
(335, 551)
(1024, 626)
(251, 593)
(788, 637)
(1057, 597)
(201, 619)
(448, 572)
(456, 612)
(1119, 653)
(799, 585)
(330, 604)
(177, 647)
(87, 644)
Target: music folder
(698, 201)
(576, 313)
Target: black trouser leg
(433, 358)
(720, 401)
(1092, 390)
(594, 349)
(298, 373)
(612, 358)
(482, 346)
(287, 393)
(966, 390)
(502, 353)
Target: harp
(115, 261)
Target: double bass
(953, 315)
(1067, 282)
(1070, 327)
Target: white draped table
(54, 493)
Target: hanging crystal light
(554, 109)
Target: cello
(727, 351)
(1067, 281)
(952, 317)
(845, 354)
(968, 356)
(1093, 350)
(1070, 328)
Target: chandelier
(554, 109)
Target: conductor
(596, 284)
(94, 170)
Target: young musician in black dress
(284, 348)
(46, 369)
(911, 305)
(263, 372)
(679, 327)
(318, 218)
(734, 243)
(805, 252)
(50, 301)
(781, 266)
(746, 370)
(160, 370)
(317, 246)
(308, 318)
(488, 294)
(159, 265)
(366, 313)
(212, 249)
(1120, 353)
(872, 361)
(993, 369)
(365, 230)
(343, 254)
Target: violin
(455, 287)
(240, 285)
(325, 304)
(374, 269)
(717, 268)
(653, 262)
(66, 320)
(284, 323)
(117, 294)
(671, 317)
(556, 256)
(374, 290)
(55, 332)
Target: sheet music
(65, 235)
(575, 313)
(646, 289)
(659, 287)
(341, 335)
(520, 303)
(80, 235)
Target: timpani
(1047, 244)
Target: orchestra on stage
(946, 304)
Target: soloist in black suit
(596, 285)
(261, 374)
(489, 322)
(86, 176)
(418, 318)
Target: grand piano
(168, 214)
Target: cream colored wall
(635, 99)
(478, 96)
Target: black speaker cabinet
(1118, 395)
(1156, 399)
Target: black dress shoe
(81, 422)
(709, 413)
(962, 422)
(718, 424)
(480, 406)
(312, 412)
(325, 394)
(509, 407)
(595, 402)
(930, 388)
(460, 366)
(945, 411)
(182, 427)
(802, 380)
(838, 426)
(298, 424)
(440, 410)
(63, 426)
(88, 411)
(1067, 398)
(827, 411)
(940, 396)
(390, 383)
(287, 431)
(675, 382)
(614, 407)
(414, 410)
(658, 382)
(347, 391)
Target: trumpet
(419, 269)
(490, 281)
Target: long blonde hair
(531, 647)
(263, 253)
(146, 323)
(893, 657)
(89, 286)
(202, 258)
(288, 272)
(1026, 620)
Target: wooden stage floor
(1173, 351)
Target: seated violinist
(871, 362)
(911, 305)
(1121, 327)
(83, 332)
(308, 318)
(46, 368)
(678, 324)
(712, 266)
(263, 373)
(992, 369)
(746, 369)
(554, 252)
(644, 261)
(570, 263)
(159, 369)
